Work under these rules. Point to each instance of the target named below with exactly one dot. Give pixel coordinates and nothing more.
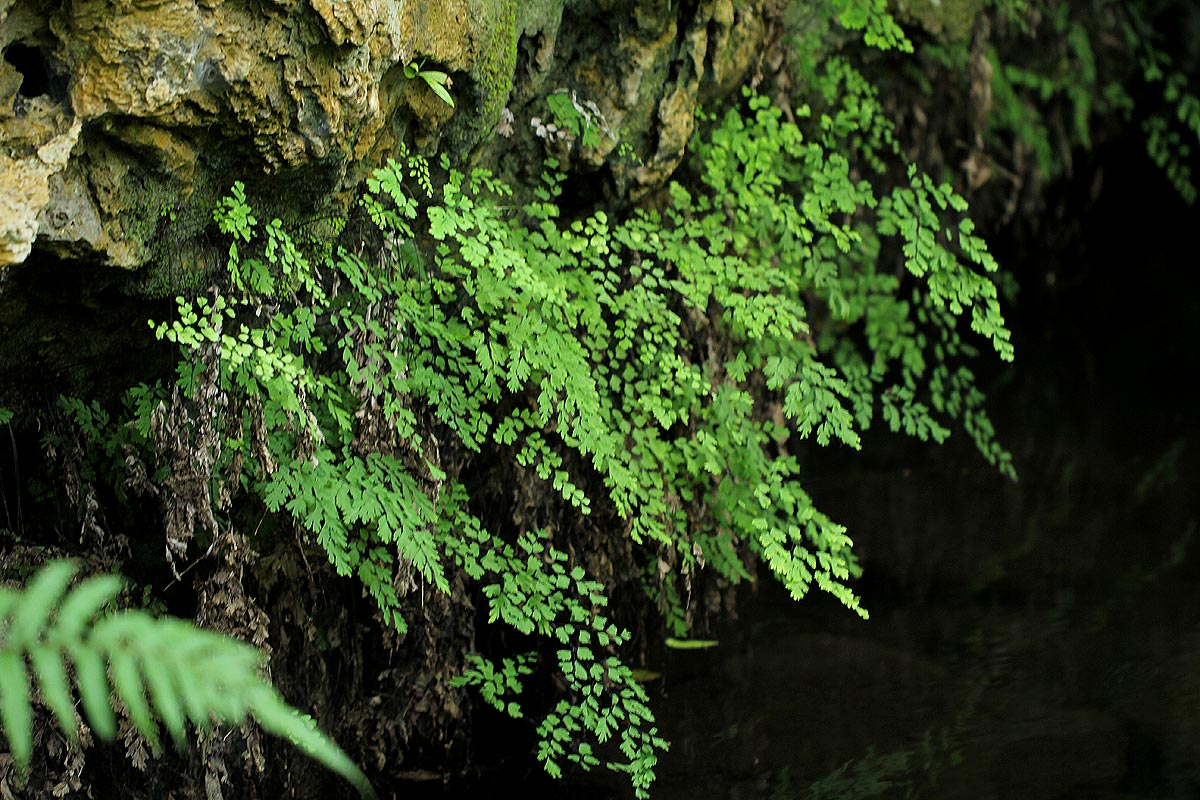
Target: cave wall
(122, 122)
(114, 114)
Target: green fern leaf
(55, 688)
(15, 711)
(166, 700)
(280, 719)
(92, 680)
(82, 604)
(163, 670)
(127, 681)
(31, 616)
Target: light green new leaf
(15, 711)
(40, 597)
(437, 82)
(83, 603)
(690, 644)
(55, 688)
(93, 691)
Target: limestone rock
(25, 179)
(949, 19)
(645, 70)
(116, 115)
(167, 96)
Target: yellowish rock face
(166, 83)
(115, 109)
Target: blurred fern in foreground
(164, 671)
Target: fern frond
(164, 671)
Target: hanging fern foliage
(654, 371)
(165, 672)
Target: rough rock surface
(116, 114)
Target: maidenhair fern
(656, 368)
(1065, 68)
(164, 672)
(661, 372)
(532, 588)
(557, 344)
(497, 683)
(1172, 136)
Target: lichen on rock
(949, 19)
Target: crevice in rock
(709, 65)
(37, 78)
